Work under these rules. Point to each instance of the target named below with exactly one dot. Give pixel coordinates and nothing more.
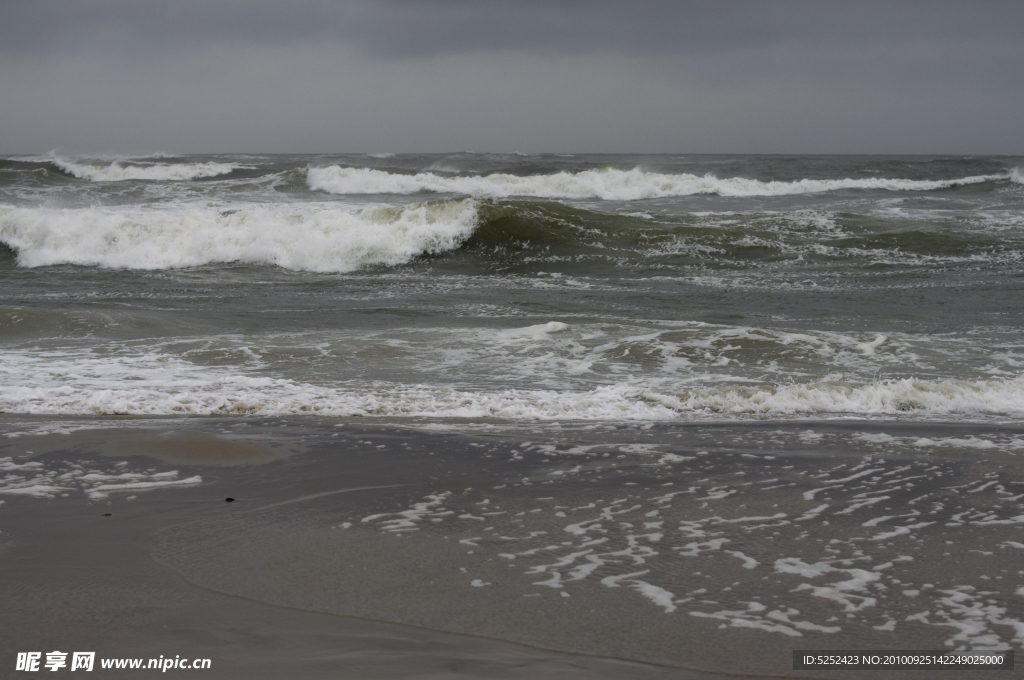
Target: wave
(985, 397)
(324, 240)
(73, 383)
(525, 230)
(606, 184)
(117, 171)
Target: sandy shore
(435, 550)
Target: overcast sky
(722, 76)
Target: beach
(463, 549)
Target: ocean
(531, 287)
(511, 415)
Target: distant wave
(315, 240)
(117, 171)
(80, 383)
(607, 184)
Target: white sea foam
(293, 237)
(607, 184)
(557, 355)
(73, 382)
(788, 588)
(118, 171)
(46, 480)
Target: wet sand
(445, 549)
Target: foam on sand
(606, 183)
(40, 480)
(834, 589)
(301, 238)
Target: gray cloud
(435, 75)
(425, 27)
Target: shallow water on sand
(667, 544)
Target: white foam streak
(327, 239)
(74, 383)
(883, 397)
(118, 171)
(607, 184)
(36, 479)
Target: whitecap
(310, 239)
(606, 183)
(118, 171)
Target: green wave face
(538, 235)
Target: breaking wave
(325, 239)
(606, 184)
(328, 238)
(119, 171)
(155, 384)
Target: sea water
(527, 287)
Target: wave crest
(117, 171)
(606, 184)
(325, 240)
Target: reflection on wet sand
(671, 545)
